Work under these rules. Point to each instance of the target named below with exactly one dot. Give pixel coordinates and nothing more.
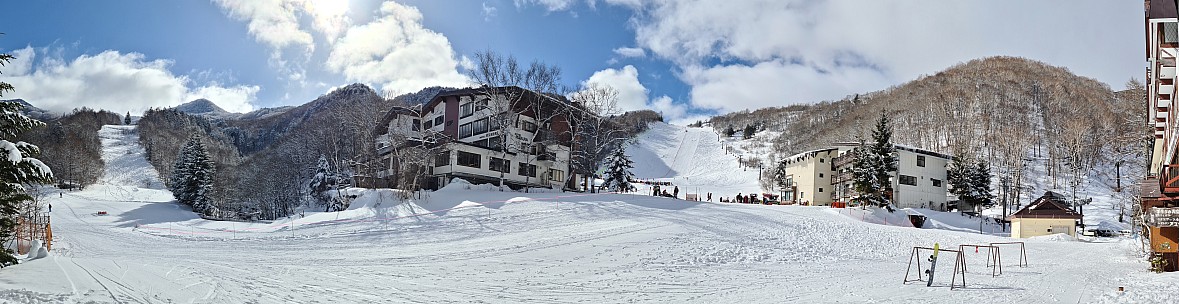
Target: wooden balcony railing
(1169, 180)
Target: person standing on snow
(676, 192)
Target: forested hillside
(263, 163)
(70, 145)
(1007, 110)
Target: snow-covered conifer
(192, 177)
(17, 169)
(971, 182)
(618, 174)
(874, 164)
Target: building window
(556, 175)
(920, 161)
(442, 159)
(429, 124)
(500, 165)
(417, 124)
(936, 182)
(468, 109)
(1170, 32)
(908, 180)
(495, 143)
(473, 128)
(470, 160)
(820, 190)
(494, 122)
(527, 126)
(820, 175)
(438, 121)
(821, 161)
(527, 170)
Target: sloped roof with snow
(1051, 205)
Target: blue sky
(687, 59)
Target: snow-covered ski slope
(469, 244)
(693, 159)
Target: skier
(710, 196)
(676, 192)
(655, 192)
(50, 207)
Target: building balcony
(1166, 89)
(1162, 217)
(1162, 115)
(842, 160)
(1160, 125)
(1164, 104)
(1169, 180)
(1167, 73)
(841, 177)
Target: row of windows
(473, 128)
(473, 160)
(912, 181)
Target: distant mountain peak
(201, 106)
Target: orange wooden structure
(33, 228)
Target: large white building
(820, 177)
(487, 135)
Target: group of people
(675, 192)
(745, 199)
(656, 190)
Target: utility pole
(1004, 180)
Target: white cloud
(113, 81)
(775, 83)
(396, 52)
(632, 95)
(630, 52)
(489, 11)
(274, 22)
(806, 51)
(329, 17)
(550, 5)
(233, 99)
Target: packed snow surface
(473, 243)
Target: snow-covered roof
(902, 147)
(802, 156)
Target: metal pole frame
(959, 266)
(1023, 253)
(992, 254)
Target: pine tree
(874, 165)
(18, 169)
(749, 131)
(127, 119)
(971, 182)
(729, 131)
(782, 179)
(192, 177)
(618, 174)
(322, 181)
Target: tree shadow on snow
(154, 213)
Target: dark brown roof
(1161, 9)
(1150, 187)
(1051, 205)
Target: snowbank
(876, 215)
(37, 250)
